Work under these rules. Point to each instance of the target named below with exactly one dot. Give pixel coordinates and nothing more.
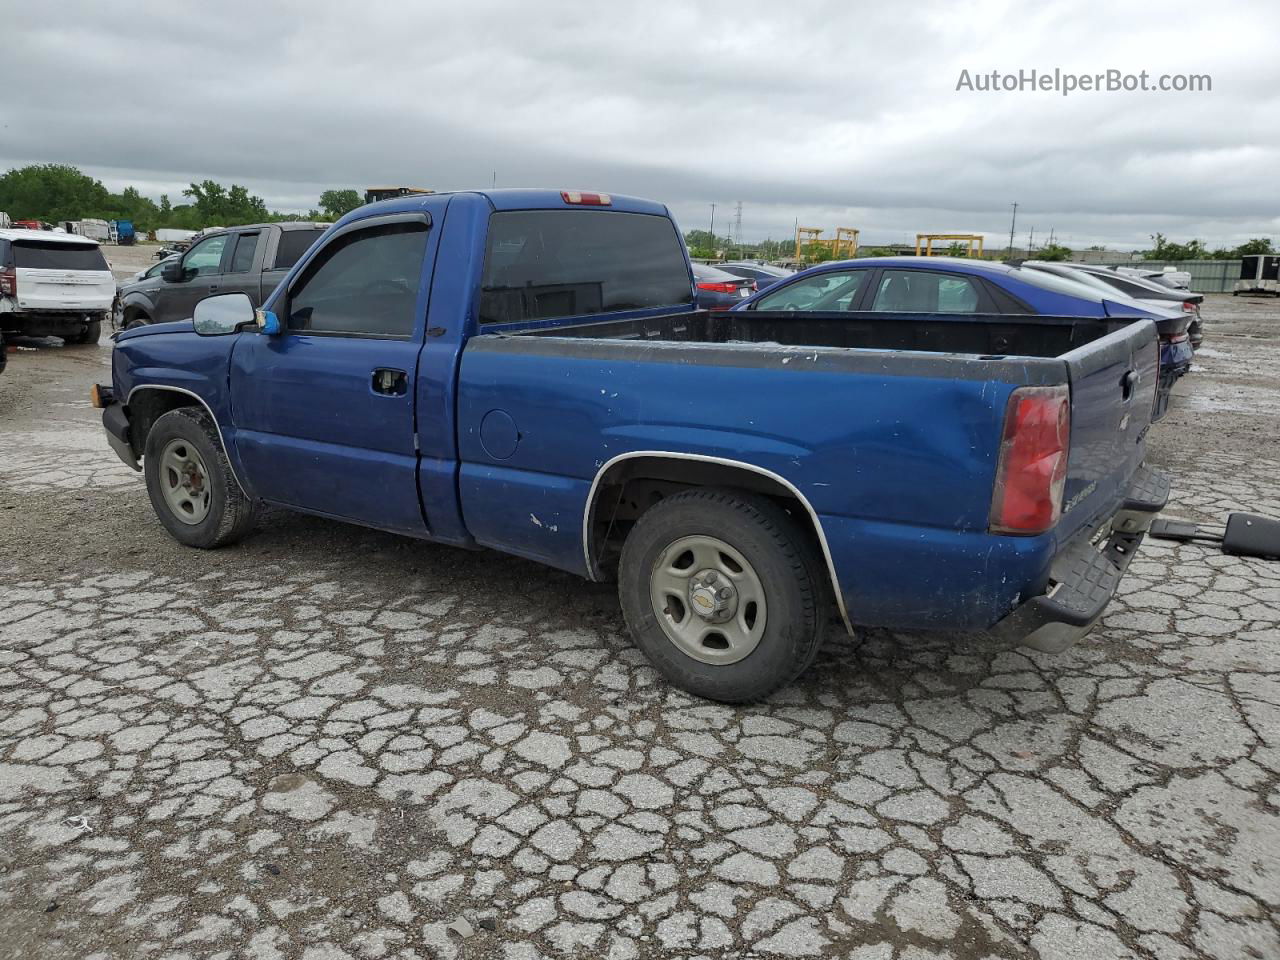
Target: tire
(219, 511)
(778, 559)
(135, 320)
(90, 335)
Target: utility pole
(737, 227)
(1031, 240)
(1012, 223)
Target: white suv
(53, 284)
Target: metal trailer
(98, 230)
(1259, 273)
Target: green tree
(1164, 249)
(131, 205)
(1054, 252)
(1258, 245)
(817, 252)
(335, 203)
(52, 192)
(216, 205)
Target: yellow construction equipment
(843, 233)
(805, 236)
(924, 242)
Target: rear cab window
(293, 244)
(46, 255)
(549, 264)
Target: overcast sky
(833, 114)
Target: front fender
(138, 301)
(172, 358)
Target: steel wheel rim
(184, 482)
(678, 590)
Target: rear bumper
(45, 323)
(1085, 575)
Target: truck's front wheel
(192, 489)
(721, 591)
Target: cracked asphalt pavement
(329, 742)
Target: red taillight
(1033, 461)
(714, 287)
(9, 282)
(1173, 338)
(586, 199)
(1188, 306)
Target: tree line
(1165, 249)
(54, 192)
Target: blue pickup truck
(525, 370)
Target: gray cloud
(829, 113)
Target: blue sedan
(952, 285)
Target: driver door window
(206, 256)
(837, 290)
(362, 284)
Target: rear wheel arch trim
(724, 462)
(212, 416)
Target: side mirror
(172, 272)
(216, 316)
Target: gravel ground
(329, 742)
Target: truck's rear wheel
(192, 489)
(721, 591)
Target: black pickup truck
(250, 259)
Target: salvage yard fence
(1207, 276)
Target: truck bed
(984, 336)
(870, 416)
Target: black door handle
(389, 382)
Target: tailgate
(65, 289)
(1113, 386)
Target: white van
(53, 284)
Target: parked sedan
(762, 273)
(718, 290)
(1138, 288)
(949, 285)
